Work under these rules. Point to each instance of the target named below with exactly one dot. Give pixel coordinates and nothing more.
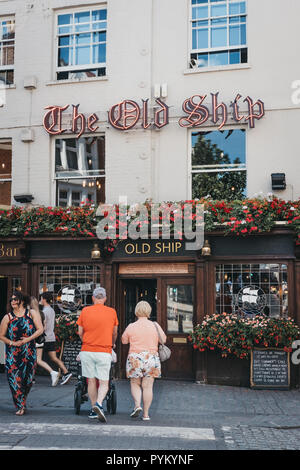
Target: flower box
(225, 342)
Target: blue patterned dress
(20, 360)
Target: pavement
(184, 416)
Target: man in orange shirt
(98, 330)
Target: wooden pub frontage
(182, 286)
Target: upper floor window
(5, 173)
(81, 44)
(80, 171)
(219, 164)
(7, 50)
(218, 29)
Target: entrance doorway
(172, 305)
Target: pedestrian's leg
(147, 386)
(102, 391)
(136, 391)
(40, 362)
(54, 358)
(92, 390)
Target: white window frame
(90, 176)
(210, 49)
(8, 67)
(77, 68)
(197, 169)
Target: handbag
(163, 351)
(40, 339)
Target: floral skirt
(143, 364)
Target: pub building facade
(110, 102)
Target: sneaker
(146, 418)
(136, 412)
(65, 378)
(92, 414)
(54, 378)
(100, 413)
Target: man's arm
(80, 332)
(114, 336)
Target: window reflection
(237, 284)
(180, 308)
(54, 278)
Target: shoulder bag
(163, 351)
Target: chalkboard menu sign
(69, 354)
(270, 369)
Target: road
(184, 417)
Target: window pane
(219, 10)
(218, 37)
(199, 12)
(252, 289)
(64, 19)
(54, 278)
(234, 8)
(234, 35)
(200, 39)
(218, 58)
(202, 60)
(82, 55)
(218, 150)
(234, 57)
(99, 53)
(243, 34)
(99, 15)
(243, 7)
(5, 172)
(83, 39)
(82, 17)
(84, 161)
(64, 30)
(64, 57)
(180, 308)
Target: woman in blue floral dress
(18, 331)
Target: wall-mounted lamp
(206, 249)
(95, 253)
(278, 181)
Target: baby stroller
(81, 388)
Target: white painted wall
(148, 43)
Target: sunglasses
(13, 299)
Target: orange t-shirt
(98, 322)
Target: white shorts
(95, 365)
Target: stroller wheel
(111, 401)
(77, 400)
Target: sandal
(20, 412)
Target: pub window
(219, 164)
(71, 286)
(252, 289)
(7, 50)
(80, 171)
(5, 173)
(180, 308)
(81, 44)
(218, 33)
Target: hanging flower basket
(230, 334)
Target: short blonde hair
(143, 309)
